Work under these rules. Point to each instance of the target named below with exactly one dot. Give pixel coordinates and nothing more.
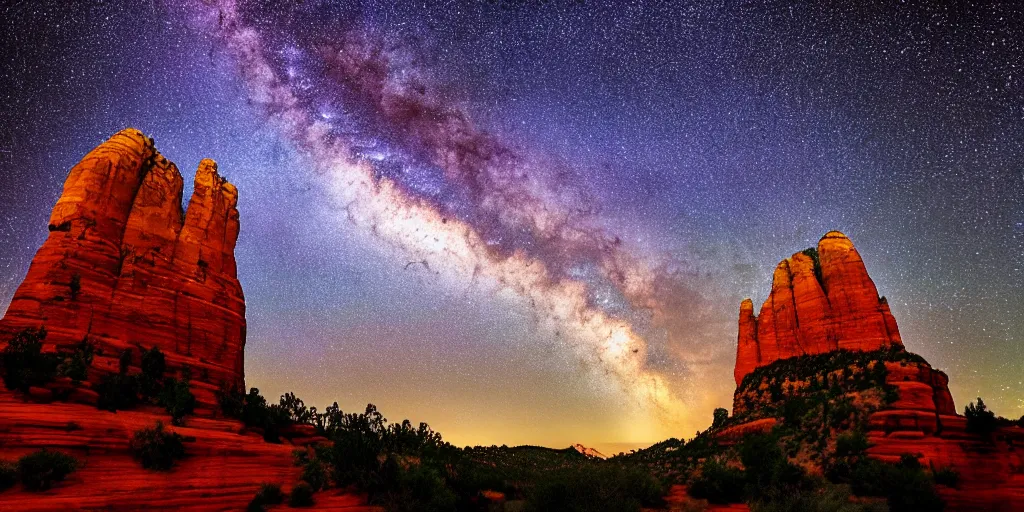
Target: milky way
(416, 171)
(533, 222)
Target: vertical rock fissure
(797, 333)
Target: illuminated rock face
(125, 267)
(815, 307)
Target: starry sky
(533, 222)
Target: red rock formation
(808, 314)
(147, 273)
(815, 308)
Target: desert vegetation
(156, 447)
(403, 467)
(37, 471)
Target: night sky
(533, 222)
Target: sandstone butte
(832, 304)
(148, 274)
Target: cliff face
(125, 267)
(821, 300)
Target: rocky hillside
(124, 267)
(126, 292)
(824, 380)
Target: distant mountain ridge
(589, 452)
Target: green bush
(177, 398)
(154, 364)
(25, 364)
(718, 483)
(852, 443)
(268, 494)
(295, 409)
(75, 363)
(302, 495)
(231, 401)
(980, 420)
(769, 475)
(8, 474)
(157, 448)
(413, 488)
(315, 473)
(117, 392)
(905, 486)
(720, 417)
(39, 470)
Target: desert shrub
(268, 494)
(600, 487)
(157, 448)
(829, 498)
(295, 409)
(39, 470)
(851, 443)
(153, 365)
(119, 391)
(718, 483)
(231, 401)
(720, 417)
(329, 421)
(913, 491)
(905, 486)
(252, 409)
(413, 488)
(946, 476)
(8, 474)
(769, 475)
(75, 363)
(812, 252)
(24, 362)
(315, 473)
(301, 496)
(980, 420)
(357, 449)
(177, 398)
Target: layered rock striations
(125, 267)
(821, 300)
